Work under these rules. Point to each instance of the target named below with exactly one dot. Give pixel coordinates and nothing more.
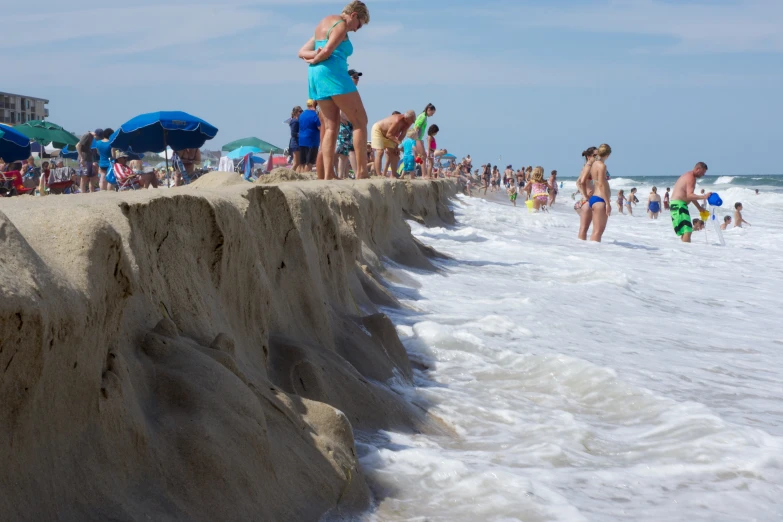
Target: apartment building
(16, 108)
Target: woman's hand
(317, 57)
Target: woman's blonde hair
(360, 9)
(603, 151)
(538, 174)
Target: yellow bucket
(529, 204)
(704, 215)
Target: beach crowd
(330, 136)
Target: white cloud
(126, 30)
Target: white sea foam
(724, 180)
(638, 379)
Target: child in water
(512, 193)
(621, 200)
(738, 221)
(666, 199)
(632, 199)
(726, 223)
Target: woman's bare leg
(295, 163)
(330, 126)
(342, 166)
(351, 104)
(599, 221)
(319, 159)
(585, 219)
(352, 158)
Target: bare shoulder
(325, 25)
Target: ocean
(636, 379)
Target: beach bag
(110, 176)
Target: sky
(666, 83)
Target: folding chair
(126, 179)
(60, 180)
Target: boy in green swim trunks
(512, 193)
(682, 195)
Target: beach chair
(126, 179)
(6, 186)
(14, 184)
(60, 180)
(179, 166)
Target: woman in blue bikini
(600, 201)
(584, 185)
(333, 88)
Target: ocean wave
(724, 180)
(623, 181)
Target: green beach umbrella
(45, 132)
(252, 142)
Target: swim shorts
(379, 141)
(308, 155)
(409, 163)
(88, 170)
(345, 139)
(514, 196)
(681, 218)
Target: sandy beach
(204, 353)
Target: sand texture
(202, 353)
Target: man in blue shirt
(309, 137)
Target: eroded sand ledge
(179, 355)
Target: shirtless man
(738, 219)
(599, 203)
(682, 195)
(387, 135)
(508, 176)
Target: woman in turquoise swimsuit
(333, 88)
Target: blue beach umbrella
(155, 131)
(241, 152)
(448, 157)
(67, 153)
(258, 160)
(14, 146)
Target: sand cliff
(201, 353)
